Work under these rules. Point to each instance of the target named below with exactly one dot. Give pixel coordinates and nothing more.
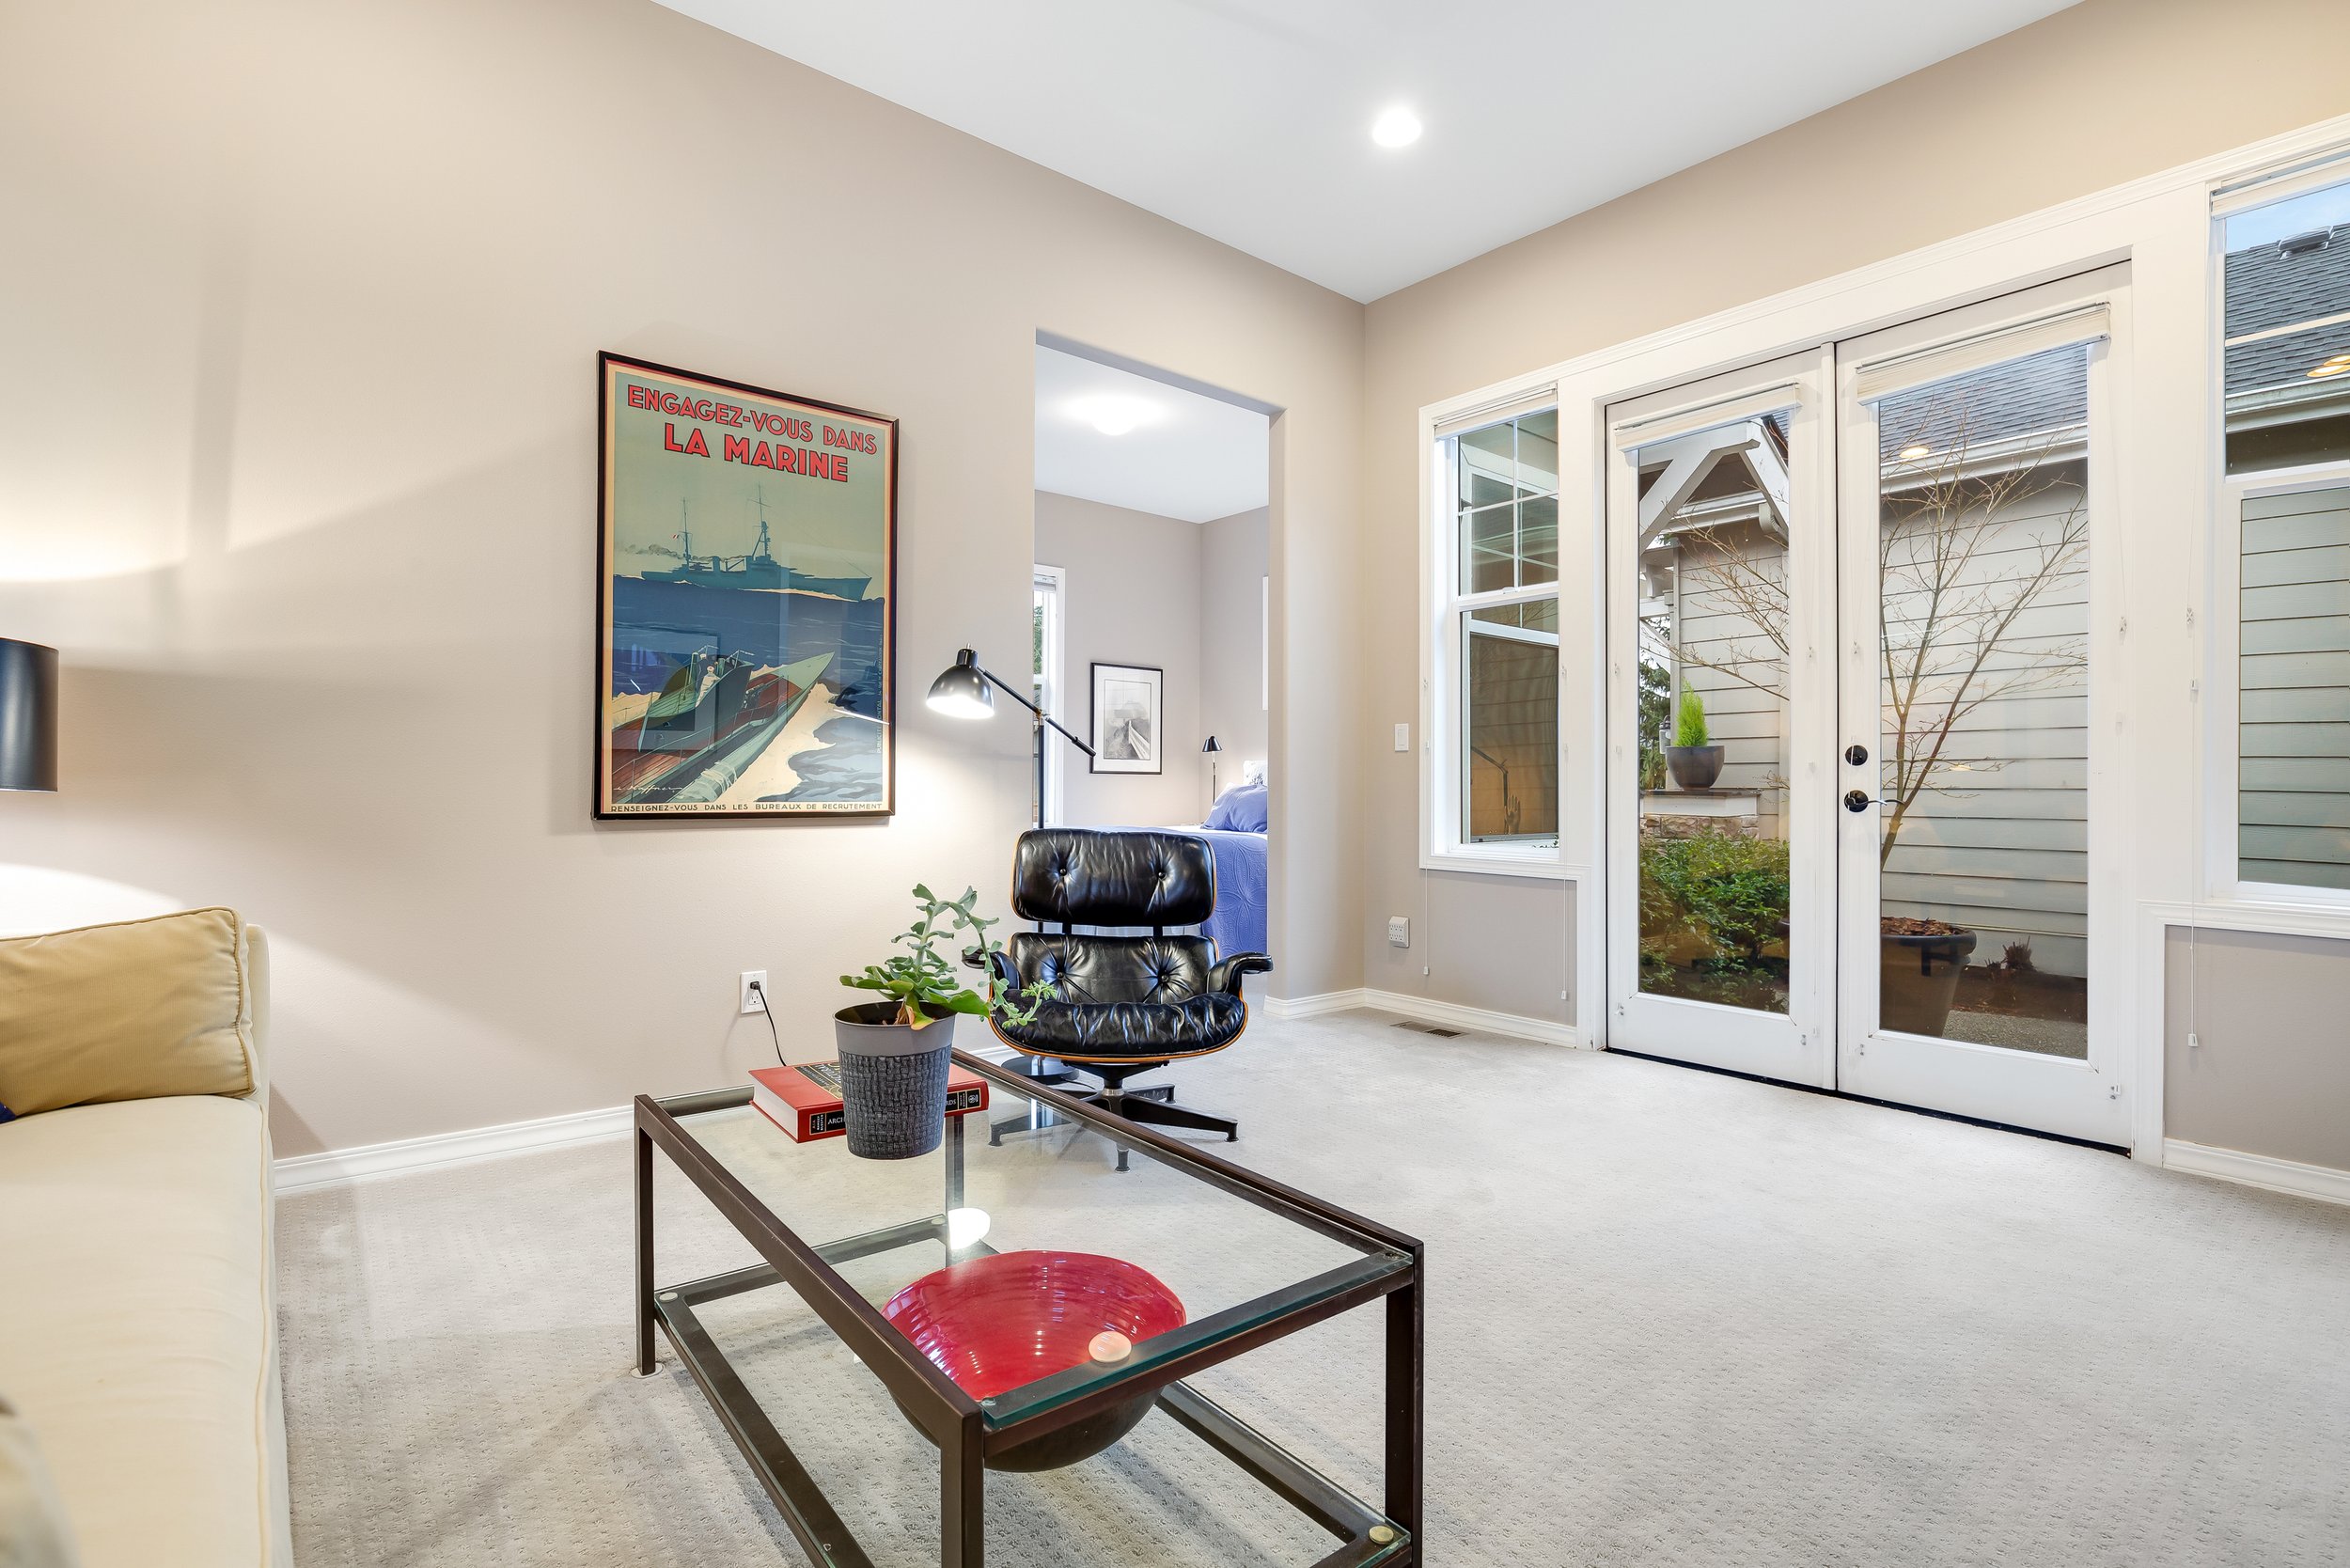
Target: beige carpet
(1674, 1318)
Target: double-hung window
(1495, 793)
(2285, 274)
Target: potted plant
(894, 1053)
(1694, 765)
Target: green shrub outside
(1726, 889)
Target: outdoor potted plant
(1694, 765)
(894, 1053)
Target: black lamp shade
(962, 691)
(29, 715)
(1211, 745)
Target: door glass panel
(1711, 714)
(1983, 750)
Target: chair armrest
(998, 965)
(1226, 976)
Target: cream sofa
(139, 1314)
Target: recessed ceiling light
(1398, 127)
(1113, 415)
(1912, 452)
(2331, 367)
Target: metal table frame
(957, 1422)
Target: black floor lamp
(961, 692)
(29, 715)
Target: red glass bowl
(994, 1324)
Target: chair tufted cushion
(1104, 969)
(1141, 1032)
(1113, 877)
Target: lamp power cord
(759, 991)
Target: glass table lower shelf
(1116, 1459)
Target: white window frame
(1054, 580)
(1442, 708)
(2169, 487)
(2305, 911)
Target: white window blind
(1883, 378)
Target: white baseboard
(1314, 1007)
(418, 1154)
(2257, 1170)
(1426, 1010)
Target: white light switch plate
(1403, 737)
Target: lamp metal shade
(1211, 745)
(29, 715)
(961, 691)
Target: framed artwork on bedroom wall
(1129, 723)
(747, 562)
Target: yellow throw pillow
(126, 1012)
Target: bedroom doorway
(1152, 612)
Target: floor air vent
(1417, 1027)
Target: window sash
(1454, 624)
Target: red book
(804, 1101)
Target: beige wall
(1232, 567)
(2093, 96)
(1132, 598)
(2270, 1073)
(297, 465)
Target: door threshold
(1889, 1104)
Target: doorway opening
(1152, 613)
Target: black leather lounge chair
(1131, 1002)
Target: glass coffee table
(1036, 1233)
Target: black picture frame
(1117, 732)
(863, 687)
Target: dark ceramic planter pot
(1917, 980)
(1693, 767)
(893, 1081)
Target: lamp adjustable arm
(1042, 717)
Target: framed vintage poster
(1129, 724)
(746, 601)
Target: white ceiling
(1187, 456)
(1249, 119)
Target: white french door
(1721, 572)
(1860, 610)
(1981, 892)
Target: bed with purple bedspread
(1238, 925)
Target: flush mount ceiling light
(1912, 452)
(1113, 415)
(1397, 127)
(2338, 365)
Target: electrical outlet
(753, 978)
(1399, 930)
(1403, 737)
